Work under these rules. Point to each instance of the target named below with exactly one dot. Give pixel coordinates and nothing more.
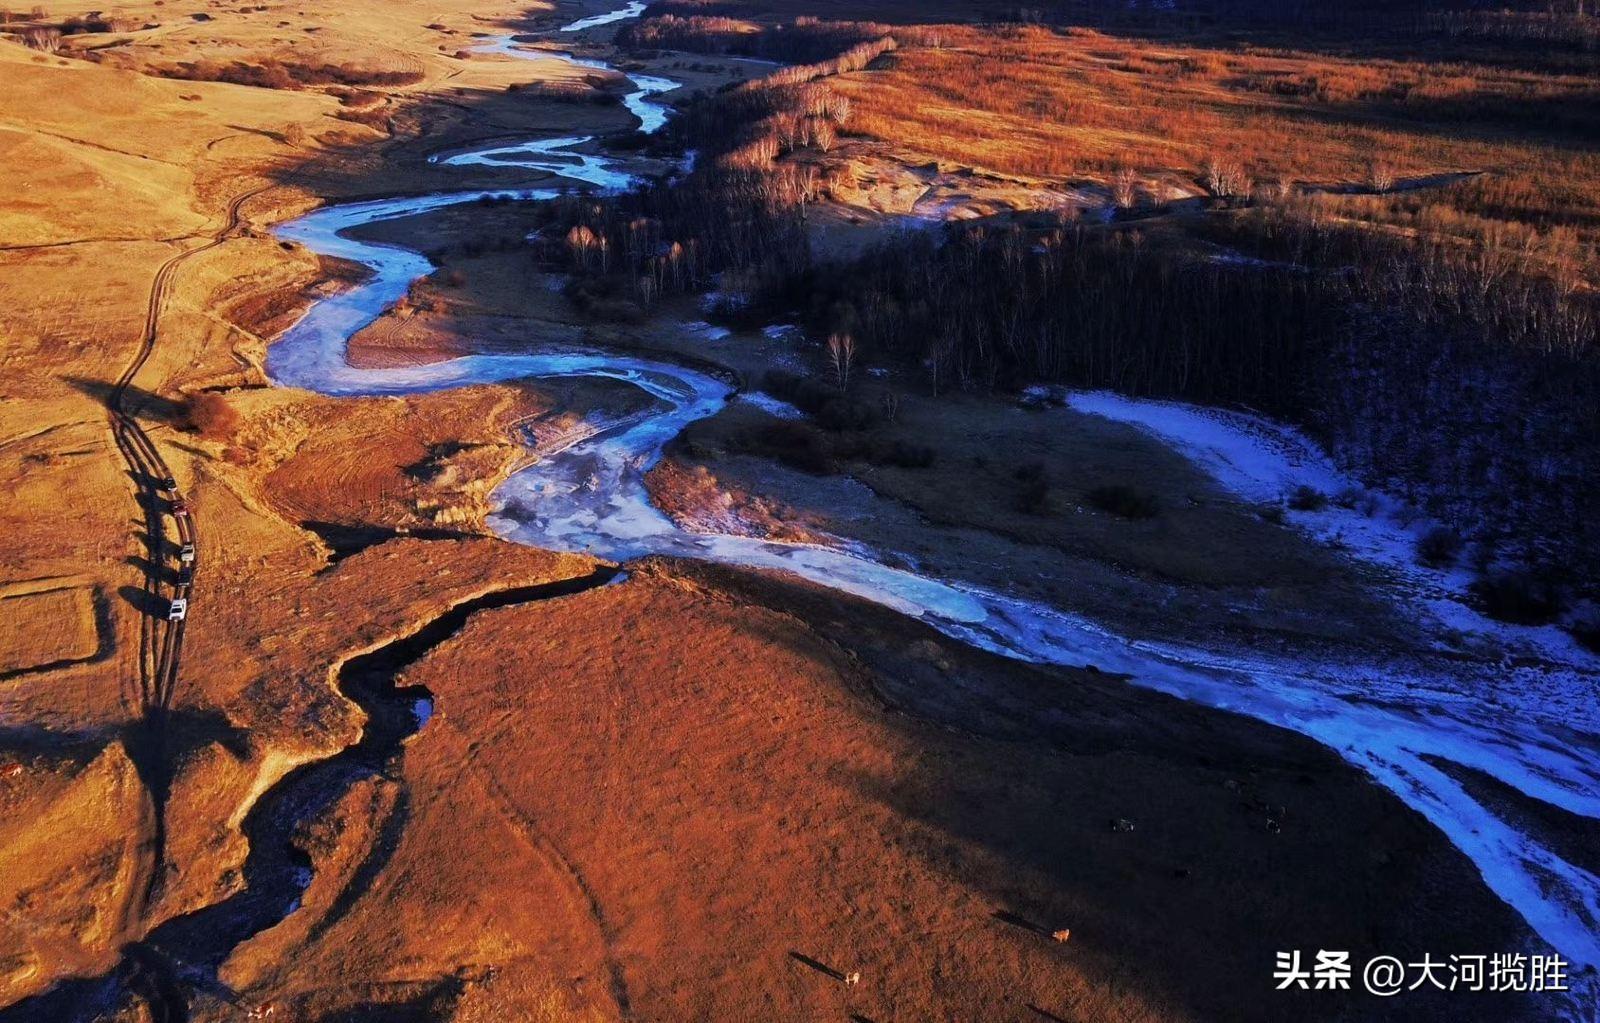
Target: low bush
(211, 416)
(841, 414)
(603, 298)
(1125, 501)
(797, 445)
(805, 393)
(276, 74)
(1439, 547)
(1034, 496)
(1585, 626)
(1306, 498)
(1350, 498)
(878, 451)
(1521, 597)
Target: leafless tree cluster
(45, 39)
(803, 41)
(1576, 28)
(741, 207)
(1226, 178)
(1380, 176)
(1125, 187)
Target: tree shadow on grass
(136, 401)
(1075, 800)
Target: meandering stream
(1412, 726)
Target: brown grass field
(693, 793)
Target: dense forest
(1474, 395)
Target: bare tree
(583, 242)
(1226, 179)
(823, 135)
(1124, 187)
(838, 108)
(42, 38)
(842, 357)
(1380, 176)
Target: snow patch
(770, 405)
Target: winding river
(1420, 727)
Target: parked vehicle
(178, 610)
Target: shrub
(1034, 497)
(1125, 501)
(1305, 498)
(1350, 497)
(804, 393)
(848, 414)
(1439, 547)
(1521, 597)
(898, 453)
(211, 416)
(272, 73)
(908, 456)
(1585, 626)
(603, 298)
(797, 445)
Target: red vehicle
(180, 508)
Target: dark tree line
(1467, 383)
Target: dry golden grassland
(1050, 102)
